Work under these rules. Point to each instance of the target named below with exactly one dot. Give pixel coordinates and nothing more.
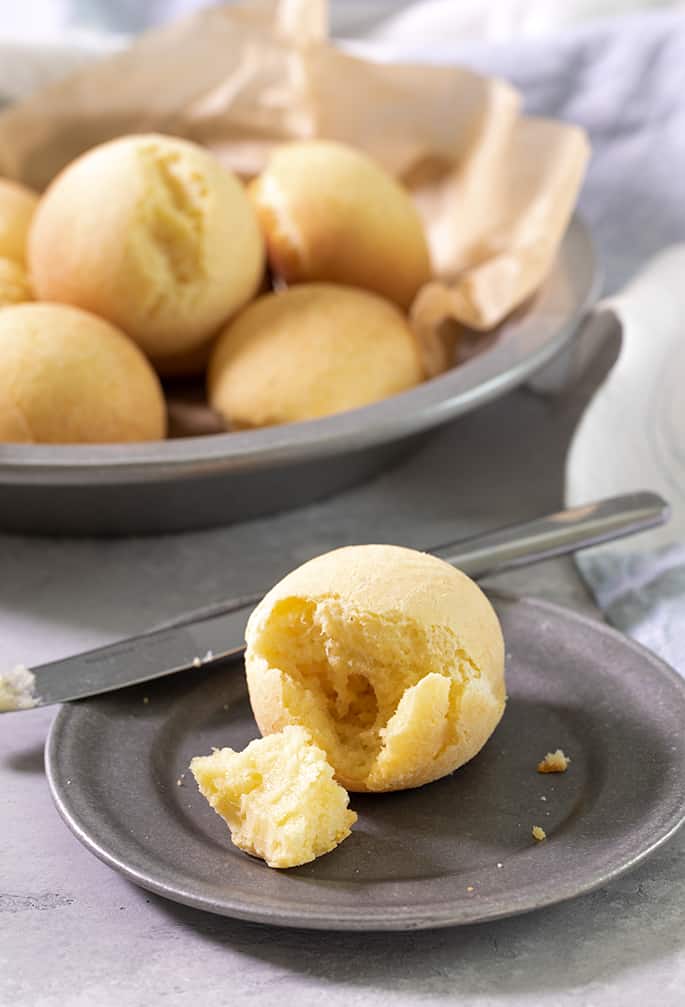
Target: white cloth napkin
(632, 436)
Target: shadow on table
(588, 942)
(29, 760)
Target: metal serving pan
(197, 482)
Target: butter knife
(216, 633)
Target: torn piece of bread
(278, 797)
(554, 762)
(17, 689)
(391, 658)
(538, 833)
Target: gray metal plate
(424, 858)
(196, 482)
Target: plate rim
(430, 404)
(393, 919)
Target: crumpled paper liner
(495, 188)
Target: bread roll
(313, 350)
(390, 658)
(330, 213)
(17, 206)
(278, 797)
(153, 234)
(67, 377)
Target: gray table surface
(72, 932)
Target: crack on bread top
(174, 206)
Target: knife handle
(516, 545)
(557, 534)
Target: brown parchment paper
(495, 188)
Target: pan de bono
(68, 377)
(331, 213)
(310, 351)
(392, 659)
(151, 233)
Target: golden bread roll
(17, 206)
(329, 212)
(390, 658)
(68, 377)
(153, 234)
(278, 797)
(14, 283)
(312, 350)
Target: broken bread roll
(153, 234)
(313, 350)
(330, 213)
(391, 658)
(278, 797)
(68, 377)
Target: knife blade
(217, 633)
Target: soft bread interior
(376, 691)
(278, 797)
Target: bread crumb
(179, 782)
(469, 888)
(538, 833)
(500, 865)
(146, 699)
(197, 662)
(554, 762)
(17, 689)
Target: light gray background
(74, 933)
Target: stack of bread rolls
(146, 259)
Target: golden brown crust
(284, 255)
(68, 377)
(153, 234)
(331, 214)
(313, 350)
